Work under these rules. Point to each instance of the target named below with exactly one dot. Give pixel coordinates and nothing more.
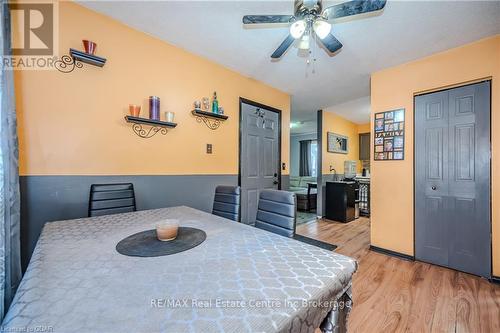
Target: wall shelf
(212, 120)
(87, 58)
(75, 59)
(155, 126)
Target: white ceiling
(403, 31)
(357, 110)
(304, 122)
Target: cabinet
(364, 146)
(341, 201)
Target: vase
(89, 46)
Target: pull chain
(311, 56)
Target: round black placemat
(145, 243)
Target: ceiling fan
(310, 16)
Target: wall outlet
(209, 148)
(283, 166)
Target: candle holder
(135, 110)
(167, 230)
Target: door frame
(431, 91)
(269, 108)
(319, 165)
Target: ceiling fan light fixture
(310, 15)
(322, 28)
(304, 43)
(298, 28)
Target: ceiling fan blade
(283, 47)
(331, 43)
(352, 8)
(258, 19)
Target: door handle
(434, 187)
(275, 182)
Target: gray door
(452, 178)
(259, 156)
(364, 146)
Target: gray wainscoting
(52, 198)
(285, 182)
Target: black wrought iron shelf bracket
(212, 120)
(75, 59)
(147, 128)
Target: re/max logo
(169, 303)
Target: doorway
(452, 178)
(304, 149)
(260, 154)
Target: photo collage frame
(389, 135)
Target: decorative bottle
(215, 104)
(154, 107)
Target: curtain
(10, 256)
(305, 162)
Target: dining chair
(227, 202)
(107, 199)
(277, 212)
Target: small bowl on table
(166, 230)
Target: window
(314, 158)
(308, 158)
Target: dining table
(239, 279)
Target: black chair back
(277, 212)
(227, 202)
(106, 199)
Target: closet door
(431, 178)
(452, 178)
(469, 179)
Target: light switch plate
(209, 148)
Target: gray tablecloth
(241, 279)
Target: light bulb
(322, 28)
(304, 43)
(297, 29)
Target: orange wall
(364, 128)
(338, 125)
(392, 182)
(72, 124)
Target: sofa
(305, 201)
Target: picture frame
(337, 143)
(389, 135)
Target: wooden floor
(395, 295)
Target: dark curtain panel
(305, 163)
(10, 261)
